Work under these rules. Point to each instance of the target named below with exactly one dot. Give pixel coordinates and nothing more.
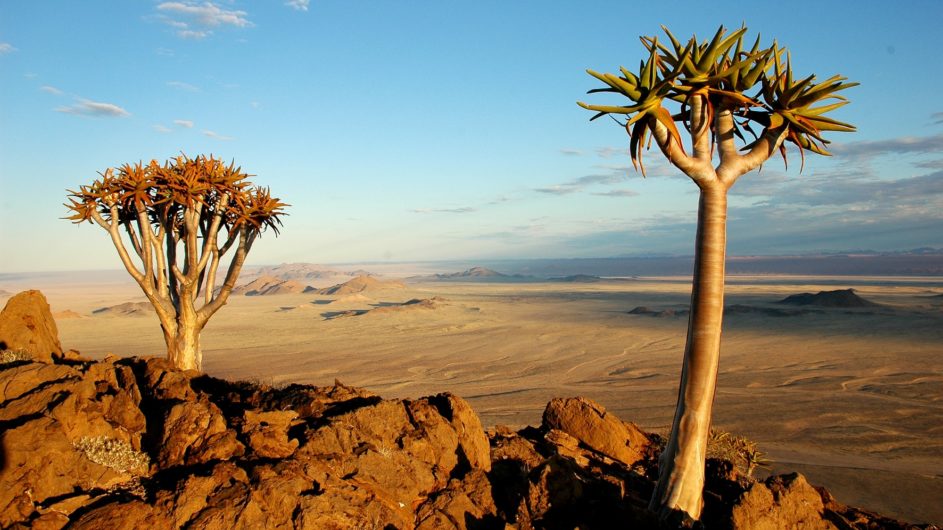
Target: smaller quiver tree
(180, 219)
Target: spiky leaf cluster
(720, 72)
(164, 192)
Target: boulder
(26, 324)
(588, 422)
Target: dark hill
(845, 298)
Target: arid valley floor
(851, 397)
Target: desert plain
(852, 397)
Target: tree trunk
(183, 342)
(681, 466)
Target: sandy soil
(851, 398)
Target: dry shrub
(114, 453)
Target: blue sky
(449, 130)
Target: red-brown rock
(267, 432)
(588, 422)
(783, 501)
(26, 323)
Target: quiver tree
(708, 85)
(180, 219)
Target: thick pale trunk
(681, 466)
(183, 342)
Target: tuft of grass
(114, 453)
(12, 356)
(741, 451)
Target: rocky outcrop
(27, 325)
(133, 443)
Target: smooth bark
(681, 466)
(681, 477)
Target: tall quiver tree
(180, 219)
(707, 82)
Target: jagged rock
(132, 514)
(267, 433)
(196, 432)
(26, 324)
(783, 501)
(462, 502)
(165, 382)
(588, 422)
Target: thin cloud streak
(6, 47)
(50, 90)
(216, 136)
(617, 193)
(903, 145)
(187, 124)
(183, 86)
(86, 107)
(464, 209)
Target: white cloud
(86, 107)
(217, 136)
(183, 86)
(300, 5)
(51, 90)
(194, 20)
(188, 124)
(191, 34)
(570, 152)
(6, 47)
(162, 129)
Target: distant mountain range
(918, 262)
(476, 274)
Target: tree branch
(733, 168)
(209, 236)
(246, 238)
(700, 128)
(112, 229)
(700, 171)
